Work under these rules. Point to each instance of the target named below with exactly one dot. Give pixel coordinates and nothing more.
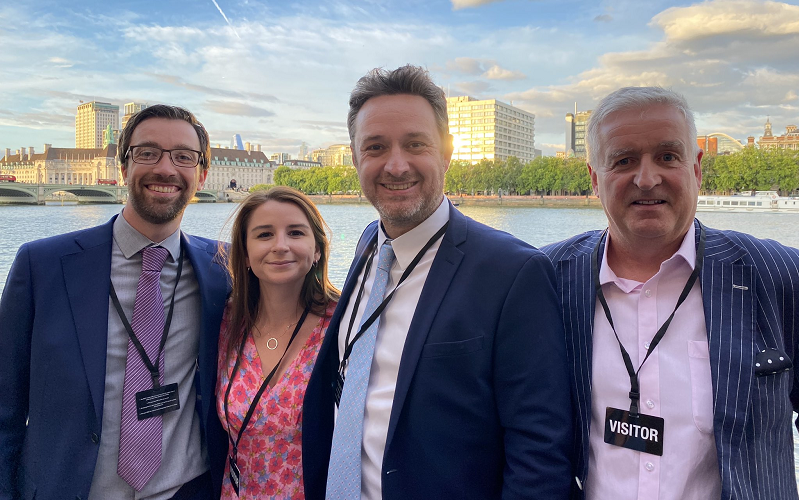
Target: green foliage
(261, 187)
(319, 180)
(544, 175)
(752, 169)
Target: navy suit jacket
(481, 408)
(53, 333)
(750, 293)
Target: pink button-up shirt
(674, 383)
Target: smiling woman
(273, 327)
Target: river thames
(537, 226)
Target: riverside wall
(491, 201)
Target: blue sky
(279, 73)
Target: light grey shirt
(183, 451)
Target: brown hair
(171, 113)
(317, 291)
(408, 79)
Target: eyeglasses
(150, 155)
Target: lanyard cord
(265, 383)
(376, 314)
(635, 394)
(152, 368)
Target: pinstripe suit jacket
(750, 293)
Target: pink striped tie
(140, 440)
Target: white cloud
(496, 72)
(465, 4)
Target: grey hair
(634, 98)
(408, 79)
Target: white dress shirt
(391, 334)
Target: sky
(280, 72)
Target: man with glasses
(109, 340)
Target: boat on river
(760, 201)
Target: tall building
(303, 155)
(789, 140)
(280, 158)
(490, 129)
(337, 154)
(91, 121)
(131, 109)
(235, 142)
(576, 126)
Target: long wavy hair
(317, 291)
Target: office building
(576, 126)
(337, 154)
(131, 109)
(303, 154)
(91, 121)
(490, 129)
(789, 140)
(280, 158)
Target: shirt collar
(686, 252)
(409, 244)
(131, 242)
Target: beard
(155, 210)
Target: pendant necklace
(272, 342)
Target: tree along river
(537, 226)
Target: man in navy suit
(680, 337)
(465, 393)
(66, 340)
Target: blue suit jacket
(750, 292)
(481, 408)
(53, 333)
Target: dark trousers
(199, 488)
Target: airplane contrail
(226, 19)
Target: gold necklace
(274, 338)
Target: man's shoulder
(73, 241)
(759, 250)
(579, 244)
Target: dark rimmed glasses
(150, 155)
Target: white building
(91, 121)
(490, 129)
(62, 165)
(247, 168)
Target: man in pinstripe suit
(680, 337)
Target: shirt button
(646, 345)
(648, 293)
(650, 466)
(650, 403)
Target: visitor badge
(155, 402)
(640, 433)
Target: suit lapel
(442, 271)
(87, 277)
(578, 299)
(730, 302)
(328, 352)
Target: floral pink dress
(269, 456)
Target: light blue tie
(344, 473)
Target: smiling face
(649, 177)
(401, 159)
(280, 244)
(158, 194)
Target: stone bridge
(36, 194)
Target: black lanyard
(376, 314)
(152, 368)
(265, 383)
(635, 395)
